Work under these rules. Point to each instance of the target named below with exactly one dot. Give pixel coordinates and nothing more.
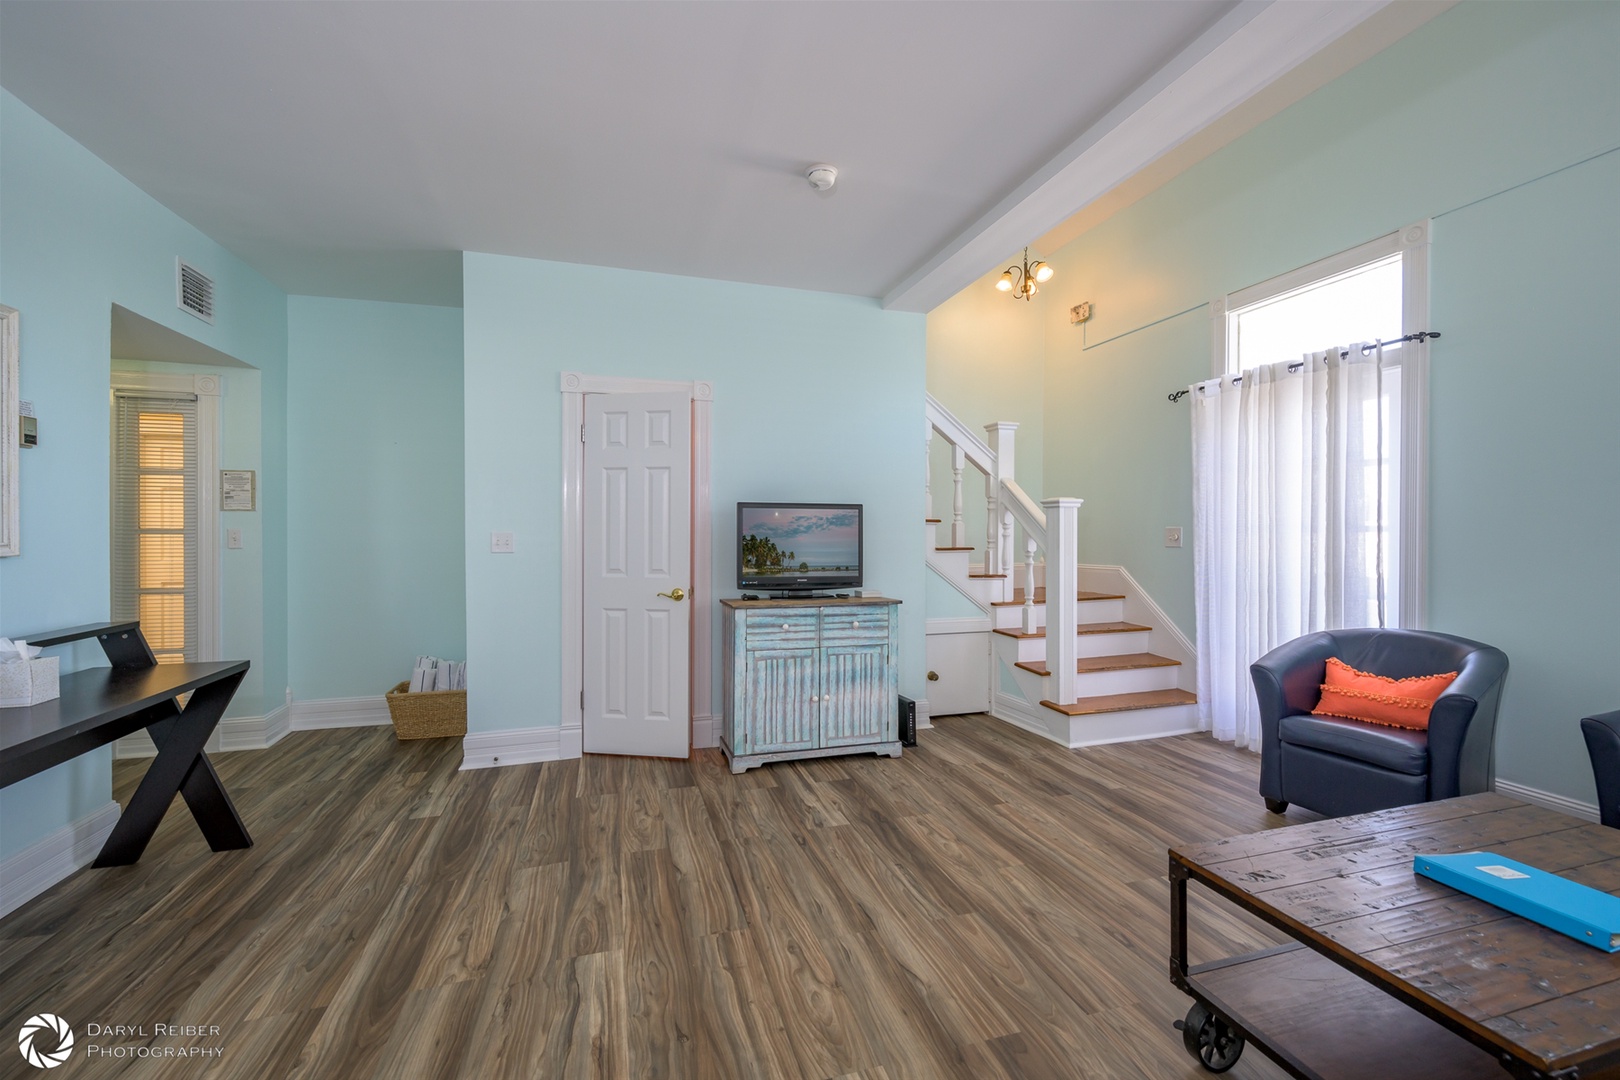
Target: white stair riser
(1128, 681)
(1130, 726)
(1113, 644)
(1099, 728)
(1028, 650)
(1011, 617)
(1086, 611)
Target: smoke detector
(822, 177)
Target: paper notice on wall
(236, 489)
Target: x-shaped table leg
(181, 766)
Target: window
(154, 520)
(1377, 291)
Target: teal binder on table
(1569, 907)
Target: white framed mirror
(10, 402)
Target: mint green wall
(1468, 121)
(986, 364)
(816, 397)
(75, 238)
(375, 563)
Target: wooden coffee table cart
(1391, 975)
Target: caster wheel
(1277, 806)
(1210, 1039)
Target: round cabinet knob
(784, 626)
(854, 622)
(813, 699)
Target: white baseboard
(519, 746)
(925, 715)
(255, 732)
(233, 733)
(53, 857)
(346, 712)
(1561, 803)
(705, 732)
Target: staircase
(1113, 676)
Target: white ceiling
(354, 149)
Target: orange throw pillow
(1361, 695)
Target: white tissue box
(29, 682)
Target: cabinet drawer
(855, 626)
(782, 628)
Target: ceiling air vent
(194, 291)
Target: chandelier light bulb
(1042, 272)
(1006, 282)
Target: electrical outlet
(502, 543)
(1172, 536)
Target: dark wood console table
(1393, 975)
(100, 705)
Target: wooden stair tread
(932, 521)
(987, 575)
(953, 549)
(1142, 699)
(1121, 662)
(1083, 628)
(1040, 597)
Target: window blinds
(154, 519)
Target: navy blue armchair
(1603, 743)
(1336, 766)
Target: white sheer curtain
(1293, 490)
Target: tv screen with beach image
(800, 543)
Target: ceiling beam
(1253, 45)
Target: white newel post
(1062, 584)
(958, 530)
(1029, 585)
(999, 436)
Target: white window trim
(1412, 243)
(207, 388)
(575, 385)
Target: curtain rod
(1421, 335)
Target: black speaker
(908, 722)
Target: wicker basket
(427, 714)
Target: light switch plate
(1172, 536)
(502, 543)
(233, 538)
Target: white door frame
(700, 677)
(210, 644)
(207, 389)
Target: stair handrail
(978, 453)
(1025, 510)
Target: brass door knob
(676, 594)
(933, 676)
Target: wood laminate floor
(989, 906)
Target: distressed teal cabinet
(809, 678)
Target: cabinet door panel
(856, 705)
(780, 714)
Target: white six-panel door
(637, 541)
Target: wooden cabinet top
(850, 601)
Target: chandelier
(1022, 281)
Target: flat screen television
(798, 547)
